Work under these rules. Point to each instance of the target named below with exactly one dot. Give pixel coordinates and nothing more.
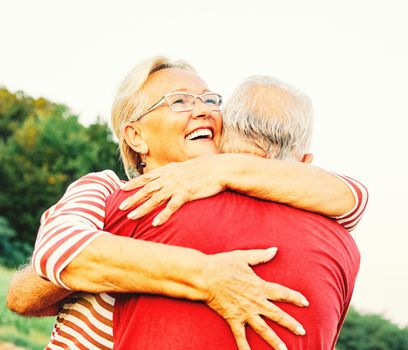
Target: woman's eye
(210, 101)
(179, 101)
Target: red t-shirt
(316, 257)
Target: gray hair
(268, 114)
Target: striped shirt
(85, 320)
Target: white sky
(351, 57)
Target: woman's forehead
(175, 79)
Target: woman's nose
(200, 110)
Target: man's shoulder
(261, 214)
(113, 202)
(119, 195)
(240, 201)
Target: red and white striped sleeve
(71, 224)
(350, 220)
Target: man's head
(268, 117)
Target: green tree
(43, 149)
(371, 332)
(15, 108)
(12, 252)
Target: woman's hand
(241, 297)
(174, 184)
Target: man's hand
(174, 184)
(241, 297)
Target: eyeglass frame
(164, 99)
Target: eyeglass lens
(185, 102)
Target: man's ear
(134, 138)
(307, 158)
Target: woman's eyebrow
(188, 90)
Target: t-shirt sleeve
(72, 224)
(350, 220)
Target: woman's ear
(134, 138)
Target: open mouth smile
(200, 134)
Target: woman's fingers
(282, 318)
(177, 183)
(140, 181)
(142, 195)
(261, 327)
(244, 298)
(238, 330)
(258, 256)
(134, 183)
(150, 204)
(277, 292)
(174, 204)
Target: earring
(143, 160)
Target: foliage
(360, 332)
(30, 333)
(15, 108)
(43, 148)
(371, 332)
(12, 252)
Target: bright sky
(350, 57)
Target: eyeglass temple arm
(152, 107)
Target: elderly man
(290, 149)
(267, 118)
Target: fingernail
(305, 302)
(300, 330)
(282, 347)
(272, 250)
(156, 222)
(133, 215)
(123, 205)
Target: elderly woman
(72, 250)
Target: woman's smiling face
(177, 136)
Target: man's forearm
(113, 264)
(121, 264)
(296, 184)
(31, 295)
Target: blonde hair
(129, 104)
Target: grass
(26, 332)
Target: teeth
(199, 132)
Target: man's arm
(31, 295)
(73, 251)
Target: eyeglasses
(185, 102)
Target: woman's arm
(293, 183)
(72, 224)
(350, 219)
(66, 229)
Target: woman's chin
(201, 148)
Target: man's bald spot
(268, 100)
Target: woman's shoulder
(106, 178)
